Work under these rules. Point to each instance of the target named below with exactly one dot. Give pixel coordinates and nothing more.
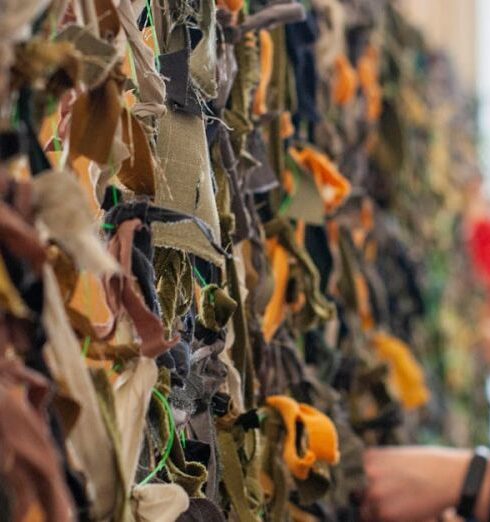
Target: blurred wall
(453, 25)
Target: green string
(115, 198)
(56, 139)
(86, 344)
(288, 199)
(285, 204)
(199, 276)
(116, 368)
(152, 25)
(168, 448)
(54, 31)
(183, 440)
(210, 294)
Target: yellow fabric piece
(333, 187)
(363, 304)
(367, 68)
(407, 375)
(323, 443)
(276, 308)
(345, 81)
(266, 58)
(232, 5)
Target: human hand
(412, 483)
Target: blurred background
(462, 29)
(457, 34)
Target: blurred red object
(479, 246)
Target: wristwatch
(472, 483)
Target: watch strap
(473, 482)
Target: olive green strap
(232, 476)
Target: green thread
(168, 448)
(210, 294)
(262, 417)
(288, 199)
(53, 106)
(116, 368)
(285, 204)
(183, 439)
(152, 25)
(115, 198)
(54, 29)
(199, 276)
(86, 344)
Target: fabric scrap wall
(226, 231)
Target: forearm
(416, 483)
